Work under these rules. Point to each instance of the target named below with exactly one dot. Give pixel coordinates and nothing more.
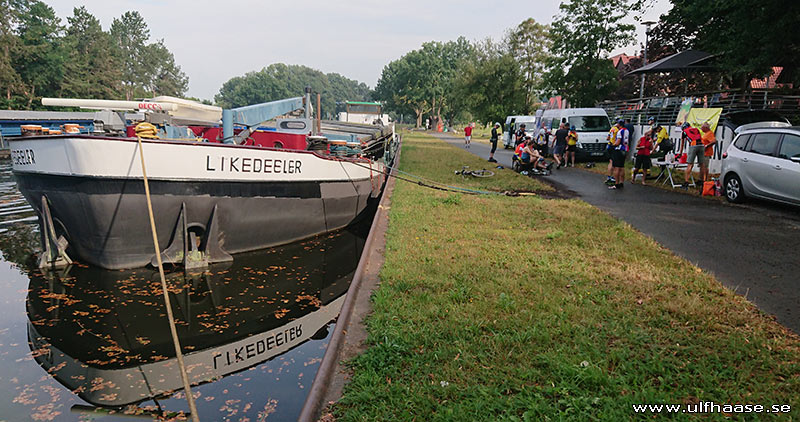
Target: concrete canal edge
(350, 333)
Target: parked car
(763, 163)
(752, 118)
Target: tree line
(41, 56)
(488, 80)
(279, 81)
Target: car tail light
(724, 155)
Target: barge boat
(216, 189)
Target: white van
(513, 123)
(592, 125)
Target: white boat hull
(262, 197)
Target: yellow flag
(698, 116)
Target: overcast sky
(215, 40)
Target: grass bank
(437, 161)
(501, 308)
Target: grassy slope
(499, 308)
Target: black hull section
(106, 222)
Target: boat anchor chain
(191, 251)
(54, 247)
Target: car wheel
(734, 191)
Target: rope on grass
(432, 184)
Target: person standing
(618, 151)
(661, 143)
(572, 146)
(629, 126)
(709, 140)
(520, 135)
(696, 151)
(611, 139)
(493, 140)
(467, 135)
(542, 139)
(643, 149)
(560, 145)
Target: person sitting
(532, 159)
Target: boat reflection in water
(105, 336)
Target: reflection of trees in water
(20, 244)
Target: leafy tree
(492, 86)
(665, 40)
(422, 81)
(9, 44)
(447, 59)
(750, 37)
(130, 34)
(40, 59)
(166, 77)
(279, 81)
(402, 85)
(529, 43)
(92, 69)
(147, 69)
(583, 34)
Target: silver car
(763, 163)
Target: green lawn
(521, 308)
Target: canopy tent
(684, 62)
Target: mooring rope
(427, 183)
(173, 330)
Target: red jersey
(644, 146)
(519, 148)
(468, 131)
(695, 138)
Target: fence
(665, 109)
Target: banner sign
(698, 116)
(683, 113)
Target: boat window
(278, 144)
(364, 108)
(590, 123)
(295, 124)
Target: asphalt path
(752, 248)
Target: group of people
(655, 143)
(701, 147)
(532, 152)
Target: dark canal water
(86, 344)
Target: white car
(763, 163)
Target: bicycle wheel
(482, 173)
